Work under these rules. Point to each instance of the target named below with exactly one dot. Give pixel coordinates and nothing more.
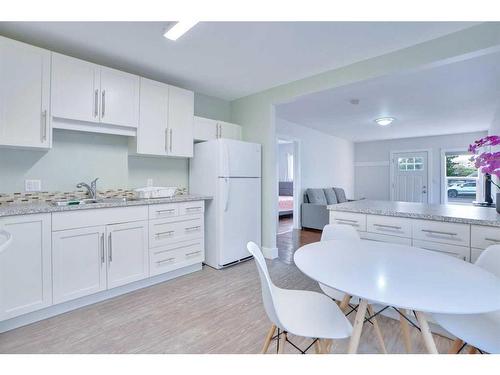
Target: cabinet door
(180, 122)
(205, 129)
(25, 266)
(228, 130)
(119, 98)
(127, 253)
(24, 95)
(153, 117)
(78, 261)
(75, 89)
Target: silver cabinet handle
(439, 232)
(161, 212)
(102, 248)
(193, 208)
(96, 103)
(386, 226)
(492, 239)
(103, 103)
(170, 140)
(167, 233)
(216, 130)
(110, 250)
(44, 125)
(347, 220)
(165, 260)
(193, 253)
(166, 140)
(189, 229)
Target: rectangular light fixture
(179, 29)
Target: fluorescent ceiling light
(179, 29)
(384, 121)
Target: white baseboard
(270, 252)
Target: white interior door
(239, 210)
(410, 177)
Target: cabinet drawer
(160, 211)
(385, 238)
(169, 258)
(392, 226)
(461, 252)
(358, 221)
(163, 232)
(191, 208)
(482, 237)
(450, 233)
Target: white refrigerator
(230, 172)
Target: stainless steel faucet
(91, 190)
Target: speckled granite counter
(37, 208)
(448, 213)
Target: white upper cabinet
(75, 89)
(24, 95)
(153, 117)
(119, 98)
(180, 122)
(86, 93)
(206, 129)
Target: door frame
(430, 187)
(297, 179)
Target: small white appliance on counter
(155, 192)
(230, 172)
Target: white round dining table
(5, 239)
(400, 276)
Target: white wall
(372, 162)
(325, 160)
(283, 150)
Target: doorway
(410, 176)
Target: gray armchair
(314, 213)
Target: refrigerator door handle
(226, 194)
(226, 160)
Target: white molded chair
(481, 331)
(299, 312)
(5, 239)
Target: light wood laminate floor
(206, 312)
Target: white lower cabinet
(127, 255)
(25, 266)
(460, 252)
(79, 262)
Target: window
(460, 178)
(411, 164)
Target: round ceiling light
(384, 121)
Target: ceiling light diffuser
(179, 29)
(384, 121)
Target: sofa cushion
(316, 196)
(331, 197)
(340, 193)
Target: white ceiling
(456, 98)
(228, 59)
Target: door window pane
(411, 164)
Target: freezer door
(238, 217)
(238, 159)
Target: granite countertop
(37, 208)
(449, 213)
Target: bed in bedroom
(285, 198)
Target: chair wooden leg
(282, 343)
(472, 350)
(317, 346)
(345, 302)
(378, 332)
(327, 346)
(358, 327)
(405, 330)
(269, 337)
(426, 333)
(456, 346)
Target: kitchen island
(461, 231)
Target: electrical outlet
(32, 185)
(149, 182)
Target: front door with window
(410, 177)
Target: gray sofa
(314, 212)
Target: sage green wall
(79, 156)
(256, 112)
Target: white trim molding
(270, 252)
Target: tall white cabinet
(24, 95)
(206, 129)
(25, 266)
(180, 122)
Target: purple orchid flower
(486, 162)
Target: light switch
(32, 185)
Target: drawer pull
(445, 252)
(168, 233)
(193, 253)
(492, 239)
(165, 260)
(191, 229)
(347, 221)
(161, 212)
(439, 232)
(193, 208)
(387, 226)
